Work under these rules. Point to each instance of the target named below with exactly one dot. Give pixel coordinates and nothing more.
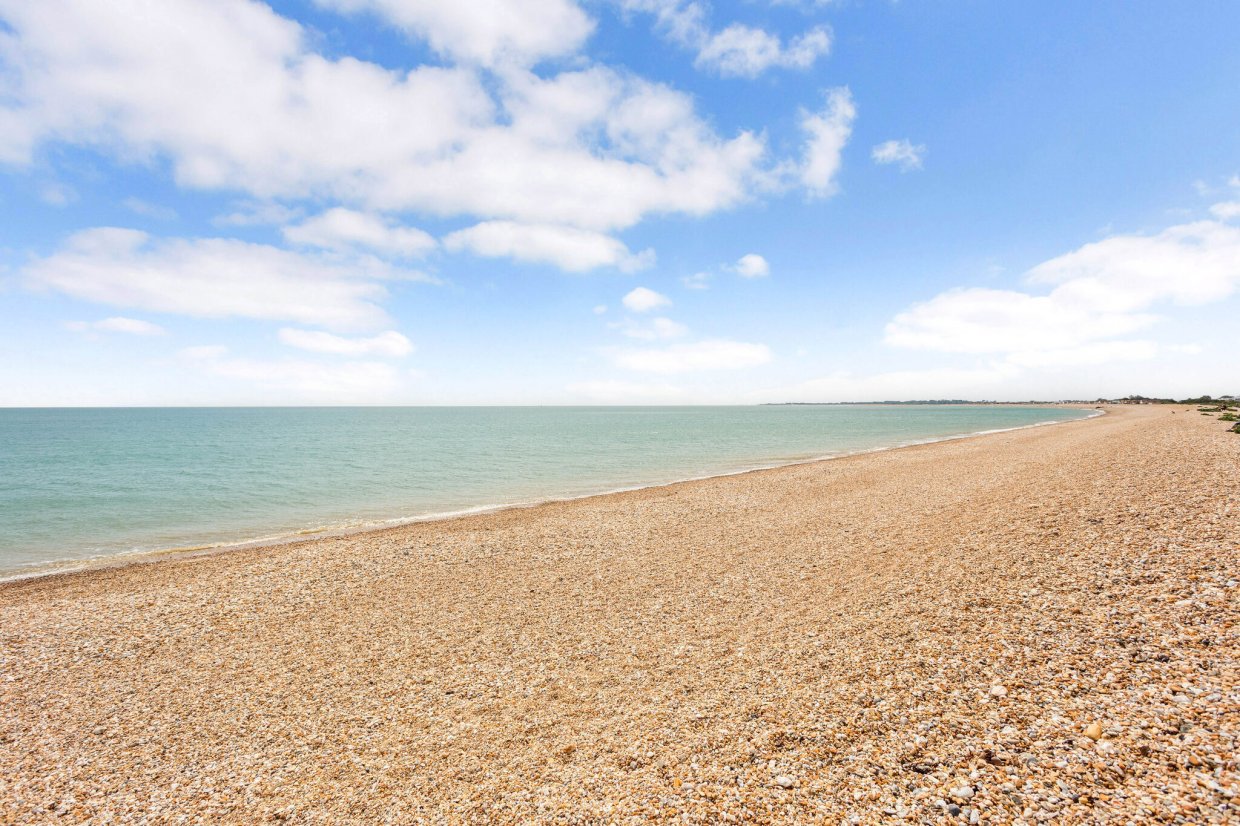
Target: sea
(78, 486)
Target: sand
(1033, 626)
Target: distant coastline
(1204, 399)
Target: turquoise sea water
(82, 483)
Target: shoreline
(1034, 626)
(122, 559)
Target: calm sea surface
(82, 483)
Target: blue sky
(616, 201)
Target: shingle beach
(1024, 627)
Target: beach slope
(1035, 625)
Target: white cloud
(900, 152)
(1186, 264)
(752, 266)
(118, 324)
(569, 248)
(712, 354)
(979, 320)
(343, 229)
(654, 329)
(210, 278)
(737, 50)
(355, 382)
(697, 281)
(390, 343)
(1099, 293)
(594, 149)
(227, 88)
(827, 133)
(644, 299)
(230, 95)
(1226, 210)
(599, 309)
(487, 32)
(743, 51)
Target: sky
(232, 202)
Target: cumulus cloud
(644, 299)
(1187, 264)
(210, 278)
(752, 266)
(737, 50)
(226, 88)
(390, 343)
(231, 95)
(596, 149)
(1080, 310)
(827, 132)
(569, 248)
(1098, 294)
(711, 354)
(1226, 210)
(486, 32)
(117, 324)
(344, 229)
(901, 152)
(744, 51)
(980, 320)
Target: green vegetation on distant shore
(1221, 403)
